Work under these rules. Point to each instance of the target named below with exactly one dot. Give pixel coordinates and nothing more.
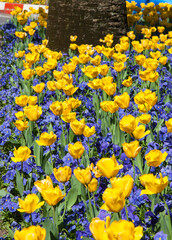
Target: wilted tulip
(62, 174)
(30, 204)
(46, 139)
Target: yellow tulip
(118, 66)
(128, 124)
(152, 184)
(95, 84)
(67, 107)
(62, 174)
(20, 125)
(57, 108)
(69, 68)
(52, 196)
(19, 54)
(96, 60)
(32, 100)
(27, 73)
(145, 118)
(76, 150)
(30, 204)
(73, 38)
(21, 100)
(39, 87)
(109, 167)
(33, 113)
(78, 126)
(73, 47)
(21, 154)
(70, 117)
(83, 175)
(51, 85)
(19, 115)
(163, 60)
(107, 80)
(75, 103)
(114, 200)
(155, 157)
(40, 71)
(110, 89)
(131, 149)
(123, 100)
(127, 82)
(125, 184)
(88, 132)
(169, 125)
(139, 132)
(109, 106)
(103, 69)
(21, 35)
(43, 184)
(92, 186)
(98, 228)
(70, 89)
(32, 232)
(46, 139)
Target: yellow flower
(103, 69)
(52, 196)
(57, 108)
(109, 106)
(98, 228)
(73, 38)
(19, 115)
(145, 118)
(92, 186)
(43, 184)
(70, 117)
(169, 125)
(155, 55)
(20, 125)
(131, 149)
(118, 66)
(110, 89)
(32, 100)
(123, 100)
(76, 150)
(27, 73)
(50, 64)
(109, 167)
(40, 71)
(19, 54)
(32, 232)
(78, 126)
(83, 175)
(67, 107)
(96, 60)
(155, 157)
(39, 87)
(21, 100)
(75, 103)
(88, 132)
(30, 204)
(33, 113)
(140, 59)
(51, 85)
(95, 84)
(152, 184)
(125, 184)
(163, 60)
(69, 68)
(114, 200)
(46, 139)
(70, 89)
(21, 35)
(21, 154)
(63, 174)
(128, 124)
(73, 46)
(127, 82)
(139, 132)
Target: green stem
(126, 211)
(90, 206)
(133, 167)
(169, 218)
(54, 217)
(65, 202)
(51, 156)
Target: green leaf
(48, 168)
(10, 233)
(3, 193)
(71, 197)
(51, 230)
(38, 152)
(19, 183)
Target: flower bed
(86, 136)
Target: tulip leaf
(51, 230)
(164, 223)
(3, 193)
(38, 152)
(48, 168)
(10, 233)
(71, 197)
(19, 183)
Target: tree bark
(90, 20)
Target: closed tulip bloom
(103, 69)
(51, 85)
(152, 184)
(83, 175)
(67, 107)
(124, 230)
(46, 139)
(78, 126)
(131, 149)
(75, 103)
(110, 89)
(151, 98)
(69, 89)
(163, 60)
(76, 150)
(52, 196)
(27, 73)
(20, 125)
(88, 132)
(109, 106)
(63, 174)
(125, 184)
(98, 228)
(114, 200)
(39, 87)
(32, 100)
(43, 184)
(19, 54)
(32, 233)
(21, 154)
(145, 118)
(118, 66)
(127, 82)
(128, 124)
(30, 204)
(139, 132)
(123, 100)
(169, 125)
(92, 186)
(33, 113)
(57, 108)
(19, 115)
(70, 117)
(95, 84)
(21, 100)
(155, 157)
(109, 167)
(40, 71)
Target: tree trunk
(90, 20)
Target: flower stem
(90, 206)
(169, 218)
(133, 168)
(51, 156)
(65, 201)
(126, 211)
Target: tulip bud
(83, 175)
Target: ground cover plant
(86, 137)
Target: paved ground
(4, 18)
